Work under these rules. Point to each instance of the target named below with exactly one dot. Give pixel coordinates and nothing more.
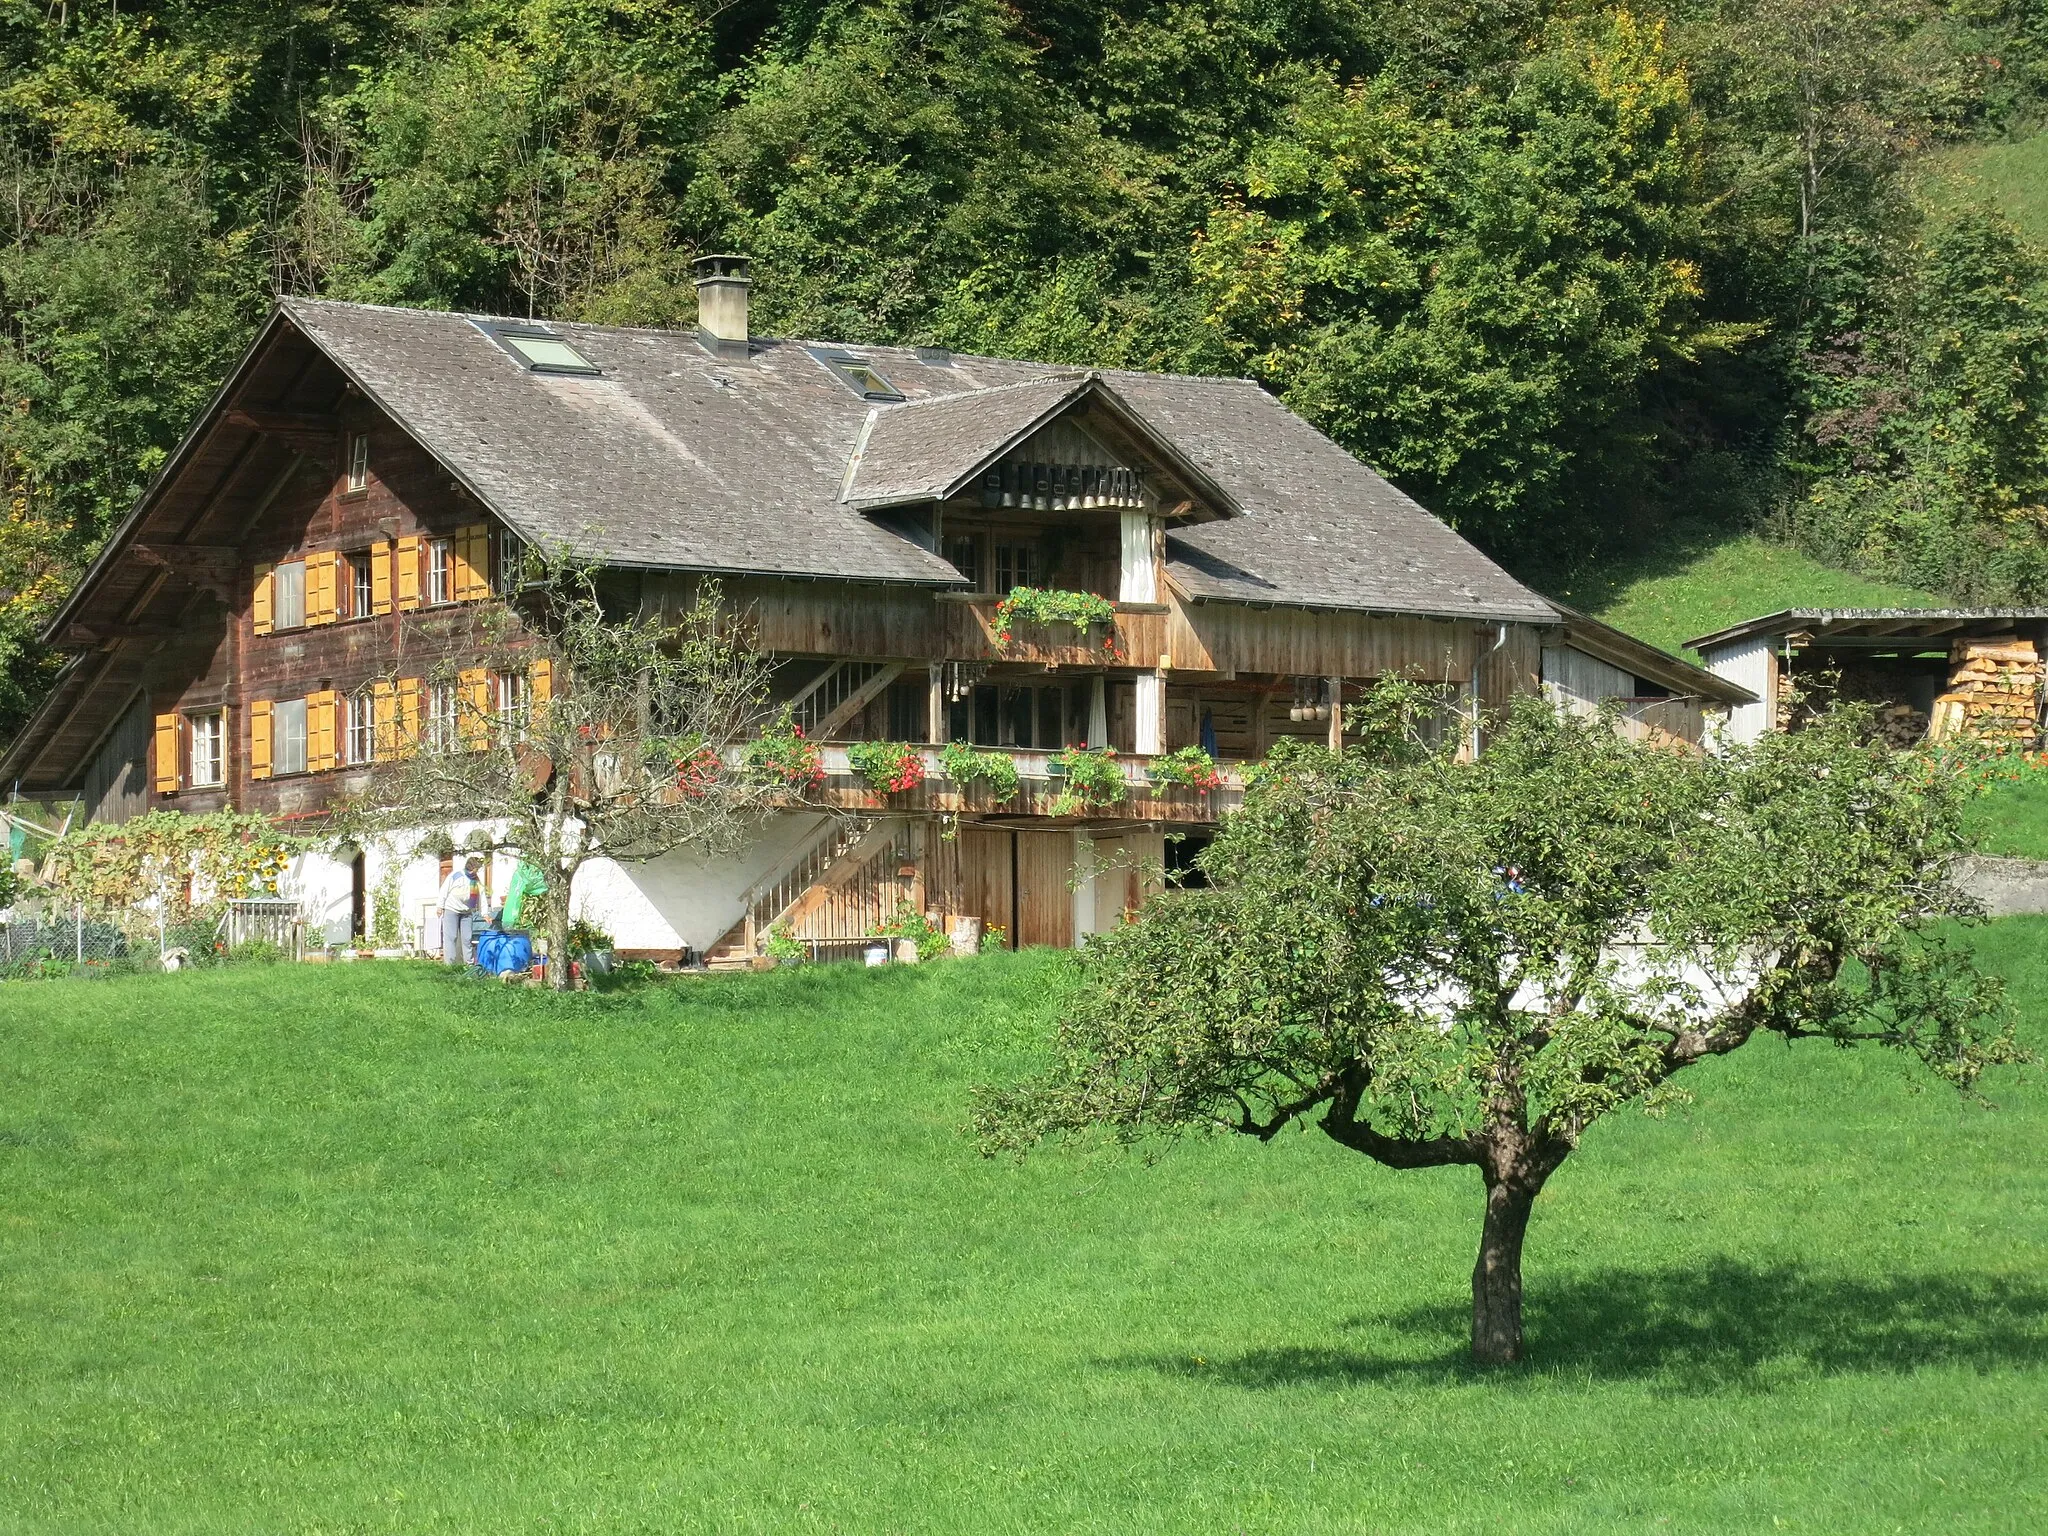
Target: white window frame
(288, 595)
(206, 750)
(512, 693)
(443, 705)
(362, 589)
(511, 554)
(440, 571)
(287, 737)
(360, 742)
(359, 461)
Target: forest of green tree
(1568, 272)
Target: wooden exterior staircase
(806, 888)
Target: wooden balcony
(1038, 788)
(1137, 640)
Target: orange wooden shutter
(259, 739)
(383, 721)
(320, 749)
(408, 693)
(475, 686)
(259, 607)
(166, 754)
(380, 577)
(322, 596)
(543, 674)
(407, 561)
(472, 562)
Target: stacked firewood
(1994, 693)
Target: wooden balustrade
(1038, 788)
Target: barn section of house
(1930, 672)
(342, 518)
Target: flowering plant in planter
(909, 923)
(1045, 605)
(1189, 767)
(782, 752)
(1093, 779)
(966, 767)
(890, 767)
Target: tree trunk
(558, 932)
(1497, 1277)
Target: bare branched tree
(574, 732)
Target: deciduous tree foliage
(1441, 962)
(623, 759)
(1563, 269)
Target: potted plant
(890, 767)
(967, 768)
(1093, 779)
(1047, 605)
(913, 928)
(782, 754)
(783, 947)
(1187, 767)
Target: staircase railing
(839, 682)
(768, 899)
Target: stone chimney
(722, 285)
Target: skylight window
(539, 349)
(859, 375)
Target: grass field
(1694, 585)
(365, 1250)
(2012, 177)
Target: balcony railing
(1038, 787)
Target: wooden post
(1336, 685)
(1098, 712)
(1151, 722)
(935, 706)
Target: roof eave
(118, 540)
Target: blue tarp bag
(515, 954)
(490, 944)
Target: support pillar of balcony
(1151, 715)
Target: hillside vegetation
(1571, 273)
(1692, 587)
(377, 1248)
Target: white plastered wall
(677, 901)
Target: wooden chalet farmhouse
(367, 470)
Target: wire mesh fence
(56, 941)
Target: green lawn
(378, 1249)
(2013, 177)
(2012, 819)
(1694, 585)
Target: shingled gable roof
(676, 459)
(928, 450)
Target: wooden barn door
(1045, 896)
(988, 864)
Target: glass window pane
(288, 736)
(549, 352)
(288, 596)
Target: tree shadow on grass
(1721, 1326)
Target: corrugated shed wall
(1573, 678)
(1749, 663)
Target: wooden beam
(857, 700)
(320, 423)
(209, 567)
(82, 635)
